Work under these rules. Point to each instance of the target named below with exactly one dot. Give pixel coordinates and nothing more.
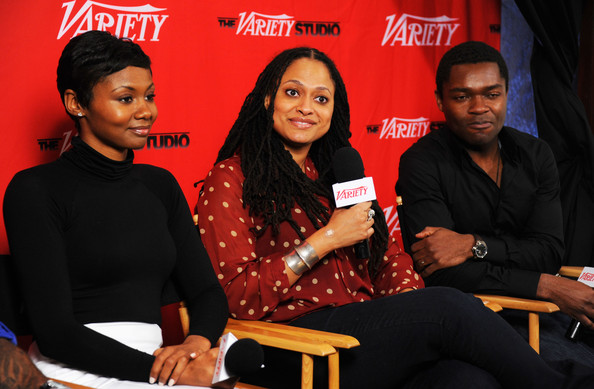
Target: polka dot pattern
(251, 268)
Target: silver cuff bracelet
(307, 254)
(295, 263)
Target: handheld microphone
(244, 357)
(237, 358)
(586, 277)
(352, 186)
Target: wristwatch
(479, 250)
(50, 384)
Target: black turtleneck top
(96, 240)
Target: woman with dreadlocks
(283, 253)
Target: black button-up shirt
(521, 221)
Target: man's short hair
(465, 53)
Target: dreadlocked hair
(274, 183)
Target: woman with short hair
(97, 239)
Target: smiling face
(303, 105)
(474, 101)
(120, 114)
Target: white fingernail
(152, 380)
(171, 382)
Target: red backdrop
(206, 58)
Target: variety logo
(137, 23)
(411, 30)
(259, 24)
(351, 192)
(587, 276)
(392, 219)
(256, 24)
(397, 128)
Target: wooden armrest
(493, 306)
(571, 271)
(241, 385)
(519, 303)
(270, 334)
(281, 340)
(336, 340)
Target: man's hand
(439, 248)
(572, 297)
(16, 369)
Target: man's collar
(509, 146)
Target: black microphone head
(347, 165)
(244, 357)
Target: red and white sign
(354, 192)
(206, 56)
(221, 373)
(587, 276)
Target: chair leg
(534, 331)
(333, 371)
(307, 366)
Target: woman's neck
(299, 155)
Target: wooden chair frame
(308, 342)
(533, 307)
(571, 271)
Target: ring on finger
(422, 263)
(370, 214)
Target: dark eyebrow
(152, 85)
(466, 90)
(301, 84)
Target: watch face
(479, 250)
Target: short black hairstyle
(465, 53)
(92, 56)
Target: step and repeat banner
(206, 58)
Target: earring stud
(79, 114)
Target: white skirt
(140, 336)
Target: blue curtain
(516, 48)
(561, 117)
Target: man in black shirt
(482, 205)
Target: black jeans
(555, 348)
(431, 338)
